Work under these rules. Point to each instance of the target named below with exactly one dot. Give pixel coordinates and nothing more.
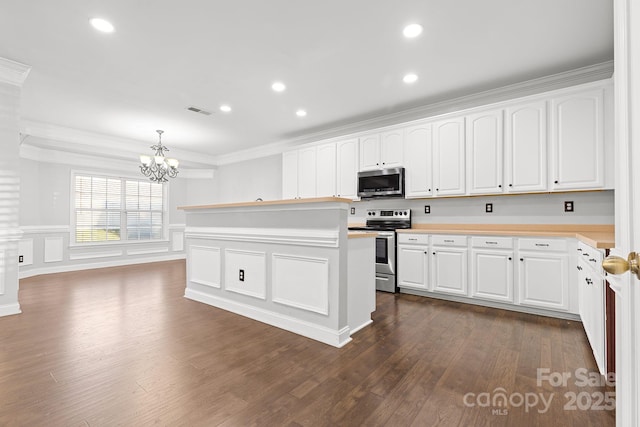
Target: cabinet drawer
(415, 239)
(542, 244)
(442, 240)
(492, 242)
(591, 256)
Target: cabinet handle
(589, 281)
(521, 259)
(448, 241)
(412, 239)
(542, 244)
(434, 253)
(491, 243)
(585, 254)
(437, 189)
(555, 182)
(425, 252)
(579, 268)
(510, 185)
(579, 250)
(592, 260)
(509, 258)
(429, 190)
(499, 185)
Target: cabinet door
(484, 152)
(526, 147)
(449, 157)
(326, 170)
(347, 165)
(370, 152)
(543, 280)
(492, 275)
(577, 141)
(418, 159)
(290, 175)
(413, 267)
(450, 270)
(391, 148)
(307, 172)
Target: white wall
(251, 179)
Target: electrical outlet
(353, 211)
(20, 258)
(427, 209)
(488, 207)
(241, 275)
(568, 206)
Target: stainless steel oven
(385, 222)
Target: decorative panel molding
(301, 237)
(43, 229)
(301, 282)
(177, 241)
(90, 255)
(146, 251)
(25, 249)
(204, 266)
(53, 249)
(2, 271)
(245, 272)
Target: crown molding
(588, 74)
(84, 142)
(13, 72)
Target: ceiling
(342, 61)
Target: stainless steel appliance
(381, 183)
(385, 222)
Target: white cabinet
(378, 151)
(347, 169)
(526, 147)
(591, 291)
(484, 152)
(543, 273)
(307, 172)
(449, 157)
(413, 266)
(326, 170)
(418, 161)
(449, 264)
(577, 141)
(290, 175)
(492, 268)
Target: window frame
(123, 223)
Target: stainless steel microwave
(381, 183)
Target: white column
(12, 76)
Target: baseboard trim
(335, 338)
(10, 309)
(103, 264)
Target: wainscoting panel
(53, 249)
(147, 251)
(204, 266)
(92, 255)
(301, 282)
(177, 241)
(25, 249)
(245, 273)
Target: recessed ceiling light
(278, 86)
(411, 31)
(410, 78)
(225, 108)
(102, 25)
(301, 113)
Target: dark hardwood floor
(122, 346)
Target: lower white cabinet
(543, 278)
(450, 264)
(413, 266)
(492, 274)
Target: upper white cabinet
(418, 160)
(385, 150)
(449, 157)
(347, 169)
(326, 170)
(577, 141)
(290, 174)
(526, 147)
(307, 172)
(484, 152)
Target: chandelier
(158, 167)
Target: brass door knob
(617, 265)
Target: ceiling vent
(199, 110)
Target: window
(117, 209)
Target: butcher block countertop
(595, 235)
(359, 234)
(269, 203)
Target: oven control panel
(389, 213)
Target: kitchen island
(289, 263)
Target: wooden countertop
(359, 234)
(269, 202)
(595, 235)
